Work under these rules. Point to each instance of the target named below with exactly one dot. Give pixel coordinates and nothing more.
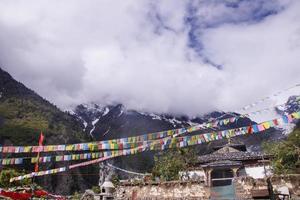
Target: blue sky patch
(207, 14)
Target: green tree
(286, 154)
(168, 165)
(5, 176)
(115, 179)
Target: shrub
(5, 176)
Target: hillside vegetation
(286, 153)
(24, 114)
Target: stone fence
(245, 188)
(248, 188)
(177, 190)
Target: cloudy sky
(185, 57)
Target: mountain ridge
(115, 121)
(23, 114)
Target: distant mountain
(115, 121)
(292, 105)
(23, 115)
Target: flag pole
(36, 166)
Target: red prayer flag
(36, 167)
(41, 139)
(250, 129)
(275, 121)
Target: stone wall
(292, 182)
(192, 175)
(246, 186)
(167, 190)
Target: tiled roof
(233, 145)
(232, 156)
(223, 163)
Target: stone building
(229, 172)
(227, 162)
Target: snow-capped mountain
(292, 105)
(89, 115)
(115, 121)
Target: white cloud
(137, 53)
(259, 58)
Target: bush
(115, 179)
(169, 164)
(76, 196)
(96, 189)
(286, 154)
(5, 176)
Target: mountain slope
(23, 114)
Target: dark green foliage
(6, 174)
(170, 163)
(24, 114)
(115, 179)
(96, 189)
(286, 154)
(24, 118)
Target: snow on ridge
(191, 123)
(173, 121)
(106, 131)
(70, 111)
(123, 109)
(121, 112)
(93, 107)
(152, 115)
(155, 117)
(95, 121)
(288, 128)
(106, 110)
(142, 113)
(92, 131)
(85, 124)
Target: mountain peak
(115, 121)
(24, 114)
(11, 87)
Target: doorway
(222, 187)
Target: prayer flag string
(177, 142)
